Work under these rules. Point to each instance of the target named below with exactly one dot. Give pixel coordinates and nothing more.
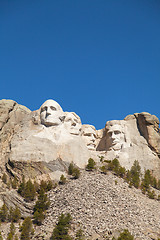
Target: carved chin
(117, 146)
(49, 123)
(74, 131)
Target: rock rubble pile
(103, 205)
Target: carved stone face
(89, 135)
(115, 137)
(51, 113)
(73, 123)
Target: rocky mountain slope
(103, 205)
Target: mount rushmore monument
(41, 144)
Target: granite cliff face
(42, 143)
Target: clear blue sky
(98, 58)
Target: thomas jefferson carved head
(115, 137)
(51, 113)
(72, 123)
(89, 135)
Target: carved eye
(53, 108)
(68, 120)
(43, 109)
(87, 134)
(117, 132)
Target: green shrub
(158, 185)
(154, 182)
(101, 158)
(76, 173)
(91, 165)
(70, 169)
(121, 172)
(49, 185)
(80, 235)
(151, 194)
(125, 235)
(103, 169)
(62, 180)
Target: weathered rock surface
(149, 127)
(41, 142)
(103, 207)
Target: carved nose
(113, 136)
(47, 114)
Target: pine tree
(135, 174)
(4, 213)
(29, 192)
(42, 202)
(38, 217)
(60, 232)
(146, 181)
(43, 185)
(21, 189)
(12, 232)
(16, 215)
(49, 185)
(26, 229)
(10, 216)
